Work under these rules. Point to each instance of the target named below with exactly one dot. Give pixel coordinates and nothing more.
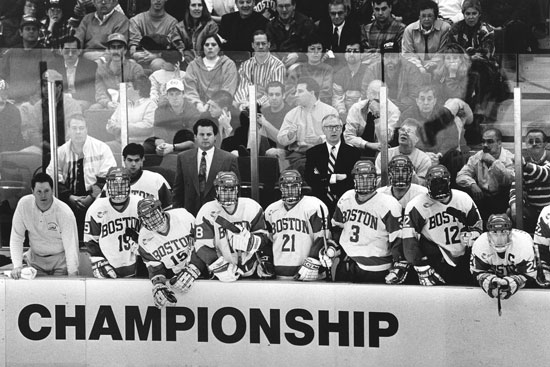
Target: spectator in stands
(488, 175)
(11, 13)
(170, 70)
(96, 28)
(174, 115)
(314, 68)
(261, 69)
(289, 31)
(346, 86)
(536, 179)
(452, 76)
(239, 143)
(140, 111)
(155, 21)
(109, 72)
(302, 127)
(423, 39)
(83, 162)
(329, 164)
(223, 113)
(271, 117)
(209, 73)
(450, 10)
(400, 75)
(363, 121)
(78, 73)
(51, 229)
(237, 28)
(56, 27)
(19, 66)
(11, 138)
(407, 139)
(337, 31)
(188, 35)
(385, 28)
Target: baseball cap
(390, 47)
(53, 4)
(117, 37)
(174, 84)
(27, 19)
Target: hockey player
(109, 245)
(503, 259)
(367, 224)
(230, 231)
(297, 226)
(400, 172)
(542, 246)
(438, 229)
(166, 245)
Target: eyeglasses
(487, 141)
(332, 127)
(534, 142)
(352, 51)
(337, 13)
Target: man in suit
(339, 31)
(196, 168)
(329, 165)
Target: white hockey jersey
(414, 190)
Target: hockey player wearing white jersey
(367, 225)
(107, 219)
(503, 259)
(542, 245)
(166, 245)
(297, 228)
(229, 232)
(400, 173)
(438, 229)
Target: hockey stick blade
(225, 224)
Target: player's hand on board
(428, 276)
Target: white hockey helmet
(151, 214)
(118, 184)
(227, 188)
(499, 228)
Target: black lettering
(271, 330)
(62, 321)
(151, 323)
(202, 328)
(358, 329)
(376, 332)
(217, 325)
(341, 327)
(172, 325)
(294, 324)
(24, 322)
(105, 314)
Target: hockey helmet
(118, 184)
(400, 171)
(227, 188)
(151, 214)
(364, 176)
(499, 228)
(290, 184)
(438, 181)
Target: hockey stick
(225, 224)
(499, 304)
(324, 221)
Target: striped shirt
(374, 34)
(259, 74)
(536, 179)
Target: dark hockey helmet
(227, 188)
(400, 171)
(364, 177)
(118, 184)
(151, 214)
(438, 181)
(499, 227)
(290, 184)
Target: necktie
(335, 39)
(202, 174)
(331, 164)
(426, 49)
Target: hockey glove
(398, 273)
(543, 275)
(184, 280)
(102, 269)
(225, 271)
(309, 270)
(428, 276)
(510, 285)
(489, 283)
(326, 256)
(265, 269)
(244, 241)
(467, 238)
(162, 295)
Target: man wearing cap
(56, 27)
(19, 66)
(109, 72)
(178, 113)
(95, 28)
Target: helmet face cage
(499, 228)
(364, 177)
(118, 185)
(290, 184)
(438, 181)
(400, 171)
(227, 188)
(151, 214)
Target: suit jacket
(84, 78)
(351, 32)
(316, 173)
(186, 184)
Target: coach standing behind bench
(51, 225)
